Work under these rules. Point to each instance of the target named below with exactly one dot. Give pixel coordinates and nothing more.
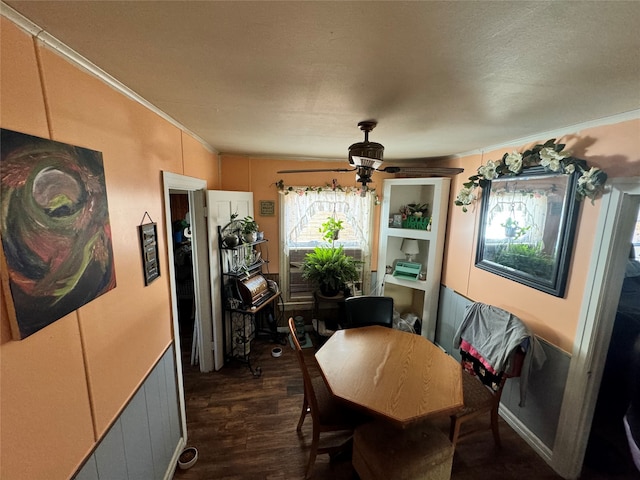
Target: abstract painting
(54, 224)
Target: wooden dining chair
(480, 399)
(367, 310)
(327, 413)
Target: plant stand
(337, 300)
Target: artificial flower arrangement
(551, 156)
(415, 216)
(284, 189)
(414, 210)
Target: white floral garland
(285, 190)
(551, 156)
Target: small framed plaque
(267, 208)
(149, 245)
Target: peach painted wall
(235, 173)
(199, 162)
(241, 173)
(62, 387)
(615, 149)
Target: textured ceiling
(295, 78)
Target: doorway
(194, 189)
(616, 221)
(608, 449)
(183, 269)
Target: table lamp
(410, 248)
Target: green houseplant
(331, 229)
(249, 229)
(512, 228)
(330, 269)
(526, 258)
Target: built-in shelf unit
(415, 296)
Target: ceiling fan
(366, 158)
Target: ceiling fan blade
(433, 171)
(338, 170)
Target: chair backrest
(493, 380)
(486, 328)
(306, 377)
(368, 310)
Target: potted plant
(526, 258)
(512, 228)
(249, 229)
(331, 229)
(330, 269)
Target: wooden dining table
(396, 375)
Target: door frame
(618, 214)
(174, 183)
(194, 188)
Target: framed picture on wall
(267, 208)
(149, 245)
(54, 223)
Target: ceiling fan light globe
(359, 161)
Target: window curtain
(299, 205)
(299, 209)
(528, 209)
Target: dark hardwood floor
(244, 429)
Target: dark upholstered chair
(368, 310)
(327, 413)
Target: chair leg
(454, 431)
(313, 451)
(303, 413)
(494, 427)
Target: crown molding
(555, 133)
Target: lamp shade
(410, 246)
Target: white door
(221, 205)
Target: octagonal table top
(392, 374)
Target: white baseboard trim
(526, 434)
(171, 468)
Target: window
(302, 212)
(518, 216)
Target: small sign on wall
(267, 208)
(149, 244)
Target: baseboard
(171, 468)
(527, 435)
